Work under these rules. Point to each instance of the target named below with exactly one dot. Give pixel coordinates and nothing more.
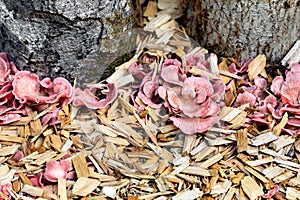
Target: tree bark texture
(60, 37)
(244, 28)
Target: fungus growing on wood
(57, 169)
(87, 97)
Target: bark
(61, 37)
(244, 28)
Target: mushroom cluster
(287, 92)
(269, 106)
(22, 91)
(192, 100)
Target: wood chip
(257, 66)
(62, 189)
(251, 188)
(25, 179)
(188, 194)
(229, 195)
(256, 174)
(221, 187)
(189, 141)
(228, 74)
(166, 4)
(288, 163)
(14, 139)
(67, 145)
(155, 23)
(80, 165)
(44, 157)
(198, 71)
(263, 139)
(151, 9)
(277, 129)
(109, 191)
(197, 171)
(35, 124)
(229, 113)
(295, 182)
(118, 141)
(293, 56)
(275, 154)
(205, 153)
(217, 141)
(263, 161)
(146, 128)
(84, 186)
(199, 148)
(212, 160)
(125, 80)
(242, 140)
(292, 193)
(281, 142)
(163, 184)
(272, 172)
(31, 190)
(7, 177)
(8, 150)
(138, 176)
(237, 178)
(154, 195)
(284, 176)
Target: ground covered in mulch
(174, 122)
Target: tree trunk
(244, 28)
(60, 37)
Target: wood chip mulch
(117, 153)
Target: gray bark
(60, 37)
(244, 28)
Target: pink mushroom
(148, 94)
(137, 71)
(244, 98)
(18, 156)
(197, 60)
(193, 103)
(271, 192)
(87, 97)
(194, 125)
(289, 89)
(173, 74)
(57, 169)
(191, 100)
(5, 188)
(27, 88)
(37, 180)
(242, 68)
(4, 68)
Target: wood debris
(119, 152)
(257, 66)
(84, 186)
(293, 55)
(251, 188)
(292, 193)
(188, 194)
